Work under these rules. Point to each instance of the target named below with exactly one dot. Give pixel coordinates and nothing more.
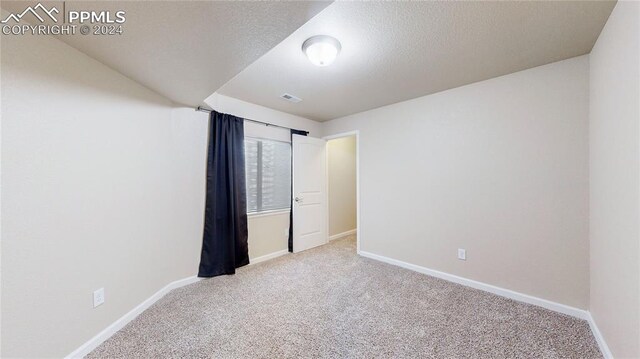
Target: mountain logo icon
(34, 12)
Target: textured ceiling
(394, 51)
(186, 50)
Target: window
(268, 171)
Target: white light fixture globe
(321, 50)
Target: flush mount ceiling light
(321, 50)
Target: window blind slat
(268, 171)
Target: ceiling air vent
(291, 98)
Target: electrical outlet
(98, 297)
(462, 254)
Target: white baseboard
(556, 307)
(604, 348)
(343, 234)
(268, 256)
(544, 303)
(94, 342)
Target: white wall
(102, 186)
(266, 232)
(248, 110)
(615, 180)
(498, 167)
(341, 169)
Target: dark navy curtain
(224, 243)
(301, 133)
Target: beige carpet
(329, 303)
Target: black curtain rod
(202, 109)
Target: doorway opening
(343, 188)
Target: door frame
(355, 133)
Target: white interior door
(309, 192)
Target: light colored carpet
(330, 303)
